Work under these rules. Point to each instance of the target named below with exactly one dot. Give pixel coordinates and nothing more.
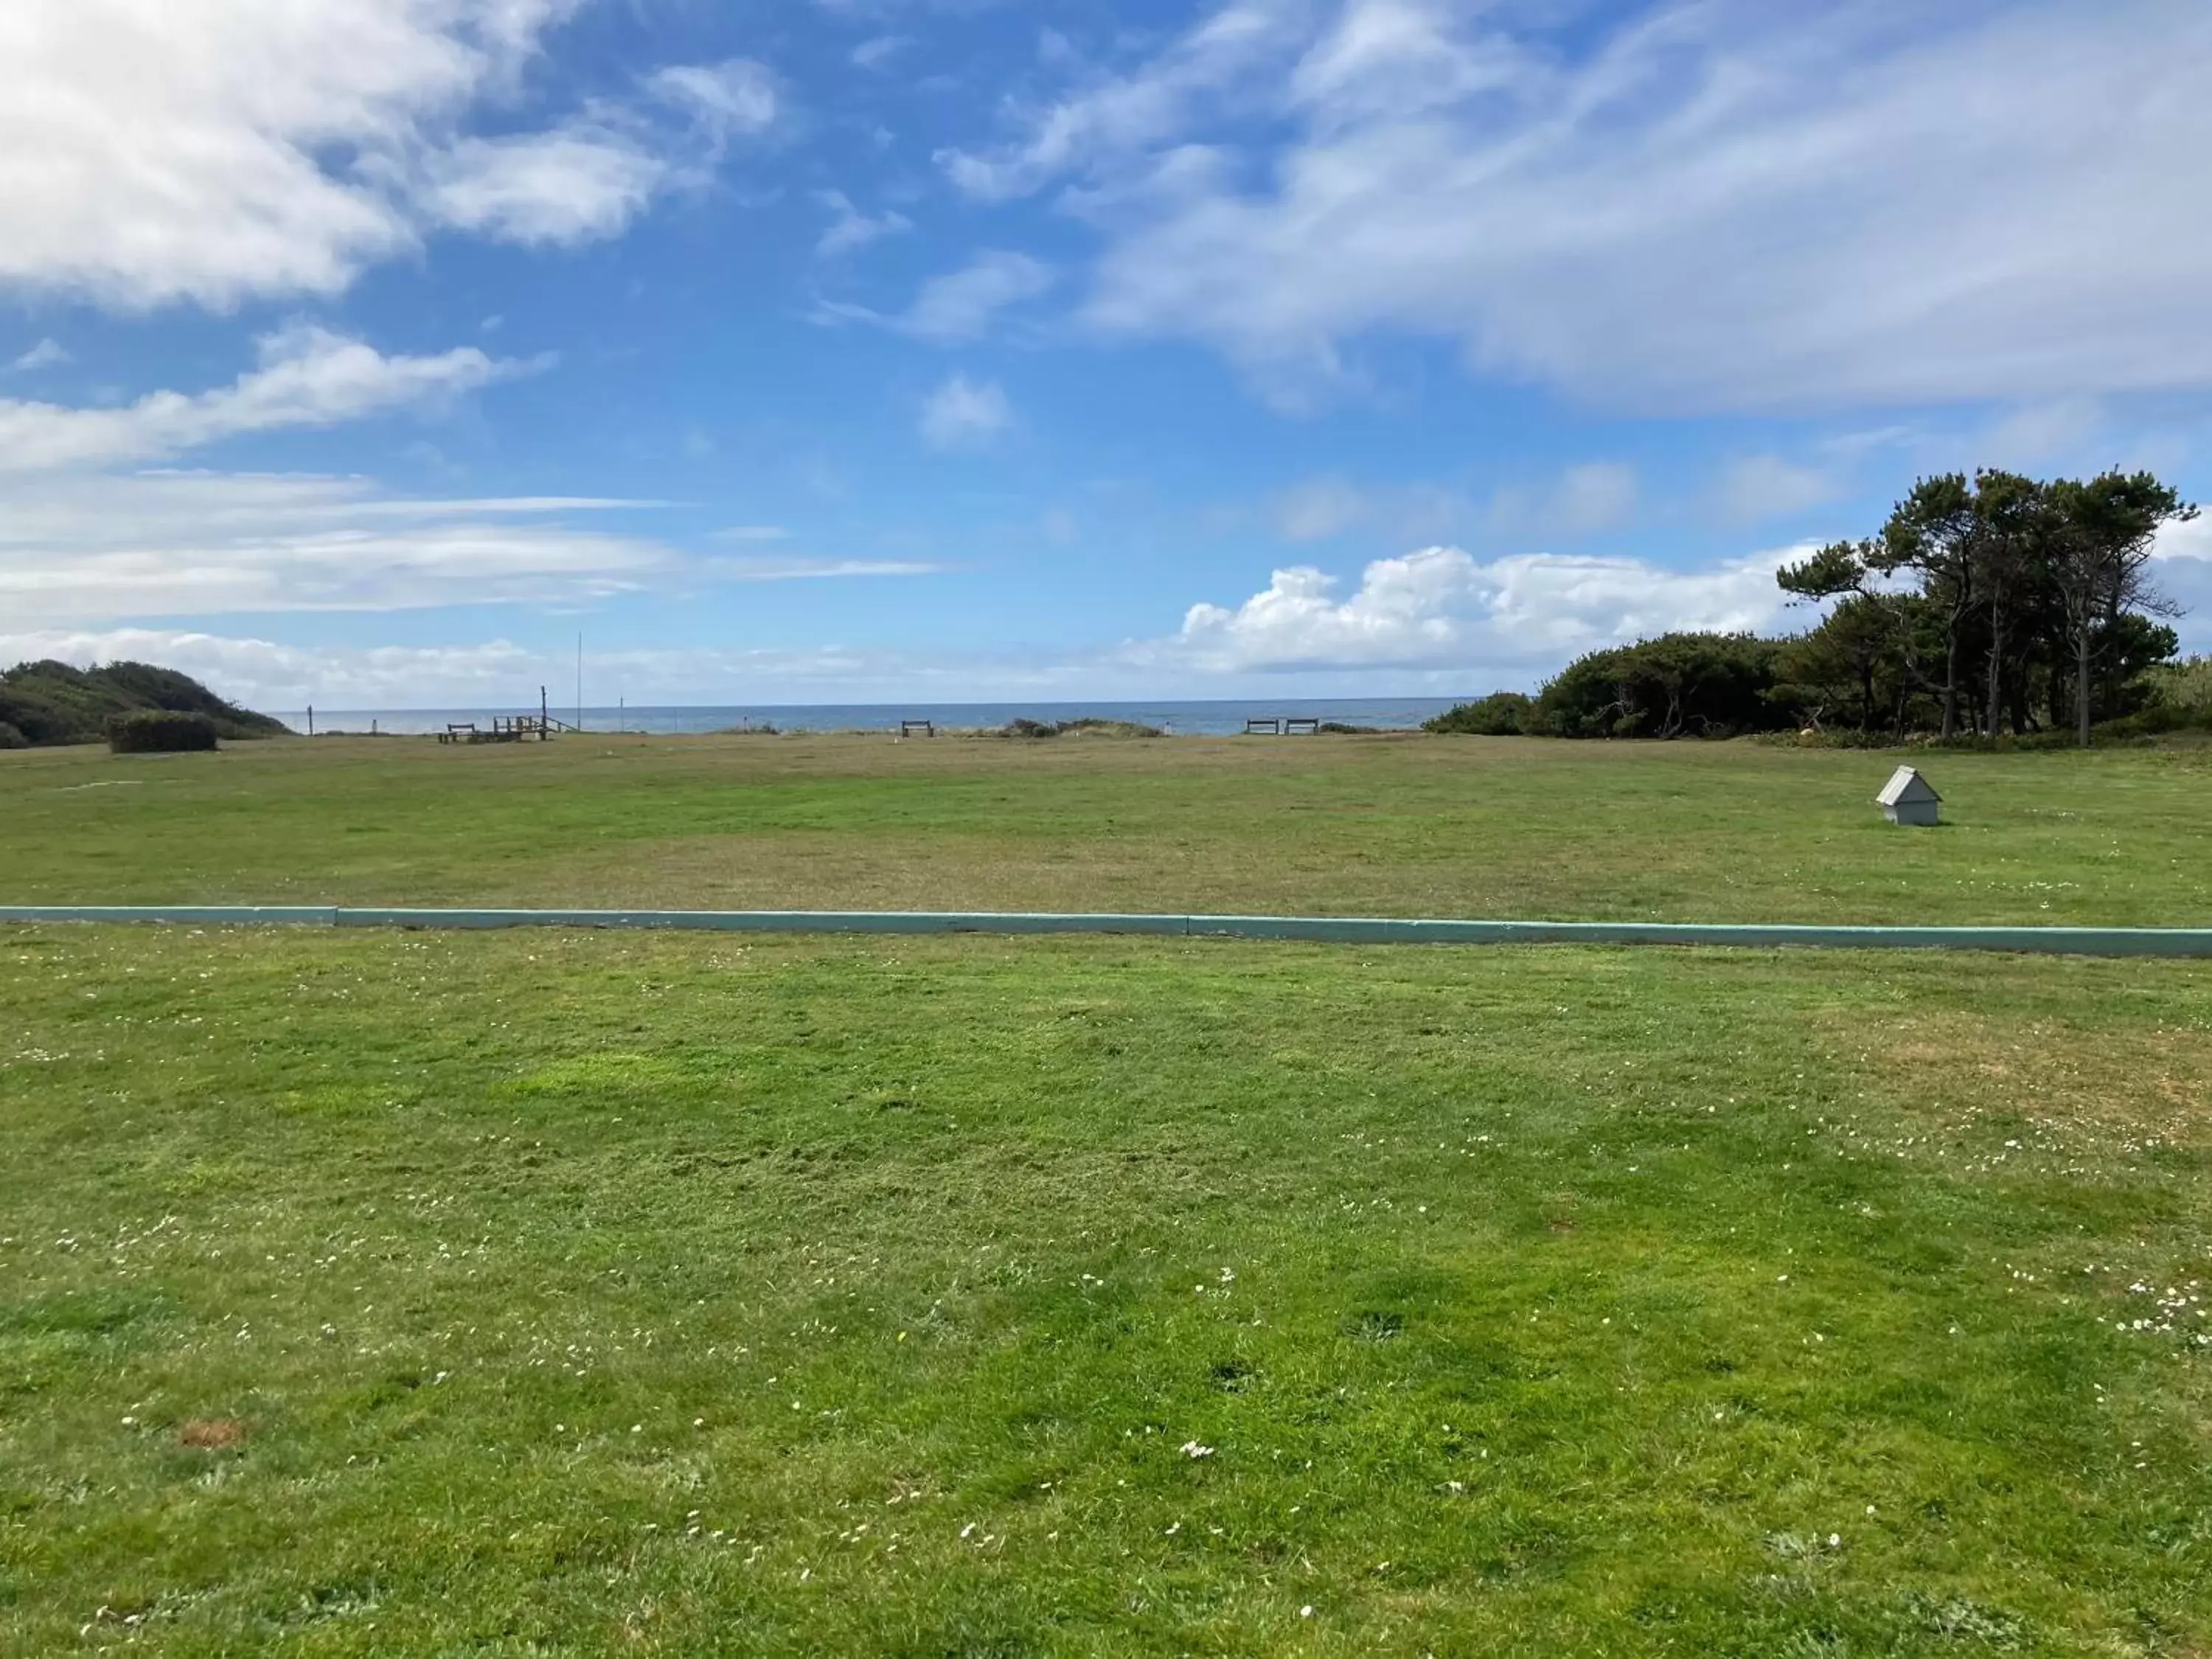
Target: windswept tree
(1936, 535)
(2100, 555)
(2012, 526)
(2045, 585)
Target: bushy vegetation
(2181, 689)
(1500, 715)
(51, 702)
(1089, 725)
(159, 732)
(1998, 606)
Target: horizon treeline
(1998, 605)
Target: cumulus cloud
(307, 377)
(214, 151)
(1723, 204)
(964, 414)
(1441, 608)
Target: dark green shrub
(1089, 725)
(1500, 715)
(159, 732)
(11, 738)
(1705, 686)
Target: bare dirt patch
(212, 1434)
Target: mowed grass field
(1405, 825)
(577, 1293)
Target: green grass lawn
(1394, 826)
(552, 1293)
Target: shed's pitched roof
(1906, 784)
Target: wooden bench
(1269, 728)
(1301, 725)
(917, 729)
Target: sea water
(1197, 719)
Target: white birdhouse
(1907, 798)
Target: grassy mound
(50, 702)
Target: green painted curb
(1344, 930)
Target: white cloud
(307, 377)
(579, 183)
(1442, 609)
(77, 549)
(962, 304)
(47, 354)
(286, 678)
(1709, 205)
(1218, 60)
(212, 151)
(851, 228)
(82, 550)
(964, 414)
(495, 674)
(735, 98)
(1756, 487)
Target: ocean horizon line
(1203, 717)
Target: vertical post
(544, 711)
(311, 720)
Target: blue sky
(367, 351)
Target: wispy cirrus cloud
(1715, 205)
(306, 377)
(83, 550)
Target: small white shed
(1908, 798)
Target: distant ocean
(1184, 719)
